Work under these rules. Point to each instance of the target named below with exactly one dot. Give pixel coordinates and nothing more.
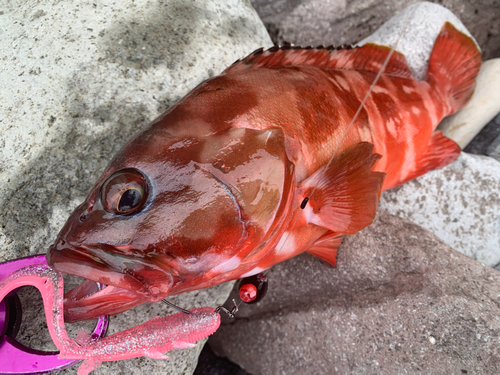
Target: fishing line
(370, 89)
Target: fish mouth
(130, 281)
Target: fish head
(176, 211)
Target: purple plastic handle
(16, 358)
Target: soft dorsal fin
(369, 57)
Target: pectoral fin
(326, 248)
(344, 195)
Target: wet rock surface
(399, 300)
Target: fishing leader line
(361, 105)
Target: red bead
(248, 293)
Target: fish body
(212, 190)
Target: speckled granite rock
(316, 22)
(76, 81)
(399, 301)
(459, 203)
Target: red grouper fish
(211, 191)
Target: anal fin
(326, 247)
(440, 152)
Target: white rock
(413, 32)
(77, 79)
(484, 105)
(459, 203)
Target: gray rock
(399, 301)
(316, 22)
(77, 80)
(460, 203)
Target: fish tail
(453, 66)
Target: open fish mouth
(124, 276)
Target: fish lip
(85, 261)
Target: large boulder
(400, 300)
(77, 80)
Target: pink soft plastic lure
(150, 339)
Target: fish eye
(124, 192)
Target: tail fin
(453, 66)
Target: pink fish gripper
(15, 358)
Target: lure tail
(453, 66)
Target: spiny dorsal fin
(368, 57)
